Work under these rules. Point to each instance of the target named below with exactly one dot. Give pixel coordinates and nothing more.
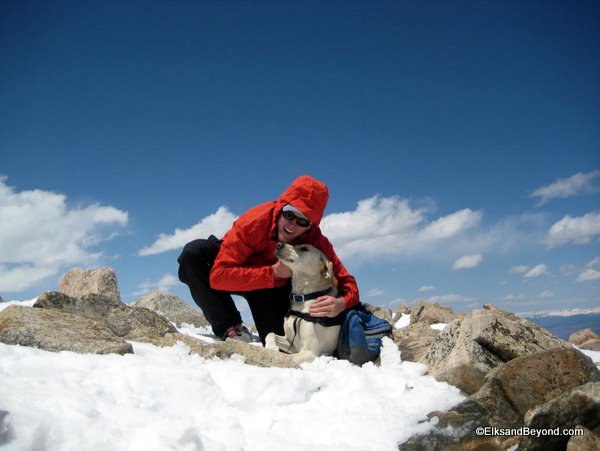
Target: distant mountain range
(563, 326)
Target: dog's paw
(270, 342)
(304, 356)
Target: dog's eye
(303, 249)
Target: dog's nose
(280, 246)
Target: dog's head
(306, 262)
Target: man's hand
(327, 306)
(281, 271)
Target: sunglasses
(290, 216)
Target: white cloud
(580, 183)
(521, 269)
(468, 262)
(427, 288)
(39, 234)
(389, 226)
(163, 284)
(588, 275)
(215, 224)
(576, 230)
(595, 263)
(536, 271)
(375, 292)
(513, 297)
(569, 270)
(546, 294)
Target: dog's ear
(329, 274)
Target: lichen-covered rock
(486, 339)
(577, 407)
(52, 330)
(414, 340)
(79, 282)
(173, 308)
(581, 336)
(425, 312)
(506, 400)
(137, 324)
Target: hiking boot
(241, 333)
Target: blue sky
(460, 140)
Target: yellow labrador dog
(306, 337)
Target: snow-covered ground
(169, 399)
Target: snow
(167, 398)
(403, 322)
(170, 399)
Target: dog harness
(309, 296)
(322, 320)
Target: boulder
(578, 407)
(173, 308)
(130, 323)
(484, 340)
(591, 345)
(424, 312)
(508, 395)
(414, 340)
(79, 282)
(514, 388)
(52, 330)
(587, 441)
(581, 336)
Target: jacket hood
(308, 195)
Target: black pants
(268, 306)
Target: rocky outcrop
(79, 282)
(173, 308)
(130, 323)
(587, 441)
(483, 341)
(425, 312)
(414, 341)
(577, 407)
(586, 339)
(530, 391)
(52, 330)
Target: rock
(484, 340)
(508, 394)
(467, 378)
(52, 330)
(5, 431)
(252, 354)
(590, 345)
(425, 312)
(578, 407)
(586, 442)
(515, 387)
(79, 282)
(173, 308)
(379, 312)
(130, 323)
(581, 336)
(414, 341)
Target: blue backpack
(360, 336)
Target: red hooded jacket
(248, 249)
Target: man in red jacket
(244, 263)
